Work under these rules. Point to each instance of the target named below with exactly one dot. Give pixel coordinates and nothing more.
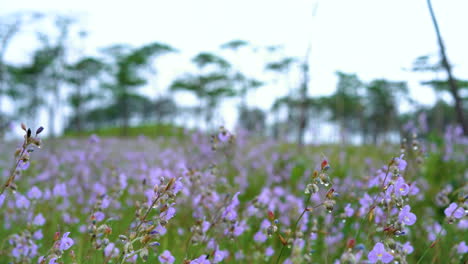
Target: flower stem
(11, 178)
(431, 245)
(295, 225)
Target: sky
(373, 38)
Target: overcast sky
(373, 38)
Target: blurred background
(361, 71)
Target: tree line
(104, 90)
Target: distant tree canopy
(210, 86)
(125, 77)
(106, 89)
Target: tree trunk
(125, 115)
(53, 110)
(4, 42)
(303, 106)
(79, 110)
(451, 80)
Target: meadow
(231, 197)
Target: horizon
(365, 37)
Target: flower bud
(39, 130)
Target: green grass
(149, 130)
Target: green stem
(280, 254)
(431, 245)
(295, 225)
(374, 204)
(11, 178)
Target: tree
(55, 71)
(381, 106)
(234, 44)
(346, 104)
(125, 71)
(304, 90)
(281, 67)
(252, 119)
(165, 109)
(79, 75)
(452, 83)
(7, 31)
(242, 83)
(430, 64)
(210, 86)
(29, 81)
(9, 27)
(437, 117)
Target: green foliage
(252, 119)
(79, 75)
(29, 80)
(297, 173)
(126, 75)
(205, 59)
(443, 85)
(234, 44)
(282, 65)
(382, 96)
(210, 87)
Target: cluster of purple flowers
(222, 200)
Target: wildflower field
(232, 198)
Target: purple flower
(365, 202)
(65, 242)
(105, 202)
(413, 189)
(224, 136)
(22, 202)
(348, 210)
(23, 165)
(38, 235)
(408, 248)
(269, 252)
(230, 213)
(239, 255)
(60, 190)
(462, 248)
(178, 186)
(2, 199)
(455, 211)
(201, 260)
(260, 237)
(166, 257)
(39, 220)
(239, 228)
(99, 216)
(463, 224)
(406, 216)
(219, 255)
(17, 252)
(378, 253)
(401, 188)
(131, 258)
(168, 214)
(401, 163)
(53, 261)
(205, 226)
(433, 230)
(110, 250)
(34, 193)
(160, 230)
(93, 139)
